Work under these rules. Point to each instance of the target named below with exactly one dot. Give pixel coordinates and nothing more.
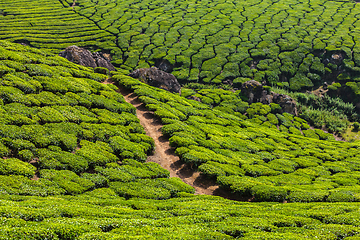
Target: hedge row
(52, 25)
(101, 214)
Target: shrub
(259, 170)
(272, 119)
(54, 158)
(67, 180)
(145, 188)
(14, 166)
(115, 174)
(98, 179)
(98, 153)
(158, 171)
(174, 185)
(20, 185)
(214, 169)
(120, 145)
(269, 193)
(307, 196)
(311, 134)
(356, 126)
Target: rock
(157, 78)
(84, 57)
(252, 90)
(255, 92)
(266, 98)
(165, 66)
(102, 61)
(286, 103)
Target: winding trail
(73, 5)
(165, 155)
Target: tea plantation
(73, 152)
(293, 44)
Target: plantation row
(58, 123)
(251, 157)
(47, 24)
(101, 214)
(293, 44)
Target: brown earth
(164, 153)
(74, 4)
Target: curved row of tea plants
(266, 115)
(101, 214)
(252, 157)
(47, 24)
(58, 123)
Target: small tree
(356, 126)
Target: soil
(164, 153)
(74, 4)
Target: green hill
(61, 125)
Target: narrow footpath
(164, 153)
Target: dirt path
(164, 154)
(74, 4)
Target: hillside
(292, 44)
(73, 167)
(91, 154)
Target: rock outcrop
(255, 92)
(157, 78)
(84, 57)
(286, 103)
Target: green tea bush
(54, 158)
(98, 153)
(99, 180)
(115, 174)
(121, 145)
(140, 189)
(67, 180)
(21, 185)
(13, 166)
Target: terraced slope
(103, 215)
(47, 24)
(293, 44)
